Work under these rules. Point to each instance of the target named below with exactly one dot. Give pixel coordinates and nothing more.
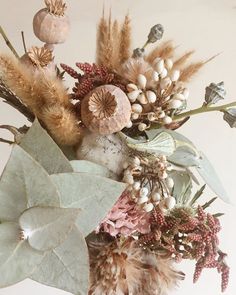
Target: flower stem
(204, 109)
(8, 43)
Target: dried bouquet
(100, 193)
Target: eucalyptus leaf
(93, 194)
(162, 143)
(44, 150)
(67, 266)
(184, 156)
(24, 183)
(47, 227)
(209, 175)
(182, 186)
(84, 166)
(17, 259)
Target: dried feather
(125, 40)
(182, 60)
(62, 123)
(165, 50)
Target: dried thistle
(56, 7)
(124, 268)
(40, 57)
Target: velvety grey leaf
(84, 166)
(183, 156)
(67, 266)
(162, 143)
(17, 259)
(230, 117)
(209, 175)
(44, 150)
(24, 183)
(93, 194)
(182, 186)
(47, 227)
(214, 93)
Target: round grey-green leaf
(46, 227)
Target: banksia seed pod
(106, 110)
(50, 24)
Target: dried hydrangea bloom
(125, 218)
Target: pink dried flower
(126, 218)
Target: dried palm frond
(182, 60)
(165, 50)
(125, 40)
(56, 7)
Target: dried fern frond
(182, 60)
(165, 50)
(62, 123)
(56, 7)
(125, 40)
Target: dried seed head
(56, 7)
(40, 57)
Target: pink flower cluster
(125, 218)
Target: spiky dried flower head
(106, 110)
(122, 267)
(56, 7)
(102, 104)
(40, 56)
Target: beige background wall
(209, 26)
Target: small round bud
(148, 207)
(174, 76)
(179, 96)
(167, 120)
(134, 116)
(142, 127)
(142, 81)
(136, 185)
(128, 179)
(186, 93)
(164, 73)
(152, 117)
(143, 192)
(137, 108)
(165, 83)
(170, 202)
(142, 200)
(129, 125)
(156, 197)
(175, 104)
(161, 115)
(142, 99)
(151, 96)
(131, 87)
(169, 63)
(136, 161)
(133, 95)
(170, 182)
(159, 67)
(155, 76)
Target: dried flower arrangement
(98, 194)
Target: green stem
(8, 43)
(204, 109)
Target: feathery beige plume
(125, 40)
(116, 35)
(188, 72)
(165, 50)
(62, 124)
(18, 79)
(182, 60)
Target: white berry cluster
(149, 183)
(156, 96)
